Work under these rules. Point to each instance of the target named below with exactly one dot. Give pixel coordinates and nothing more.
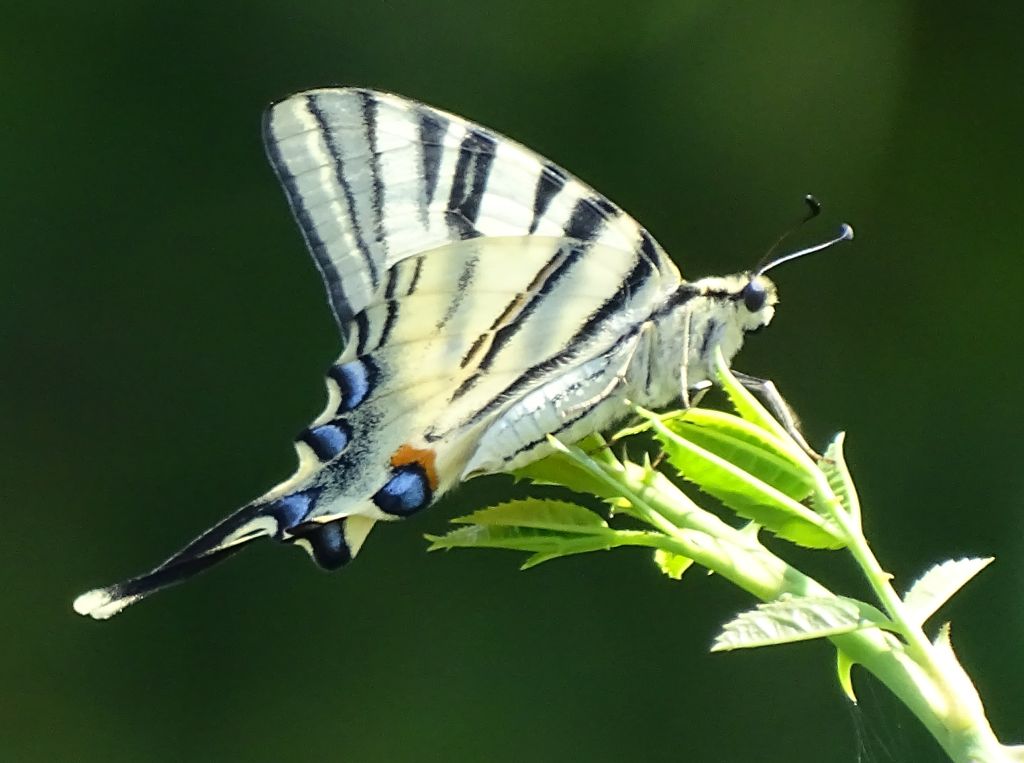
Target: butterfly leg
(696, 393)
(777, 404)
(684, 367)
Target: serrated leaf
(834, 467)
(748, 447)
(744, 493)
(673, 565)
(538, 513)
(546, 528)
(797, 618)
(946, 657)
(511, 538)
(521, 539)
(936, 586)
(560, 468)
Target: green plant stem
(935, 689)
(961, 708)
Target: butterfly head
(718, 312)
(757, 293)
(726, 309)
(744, 301)
(755, 302)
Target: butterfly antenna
(813, 210)
(845, 234)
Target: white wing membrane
(374, 179)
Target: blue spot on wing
(290, 510)
(356, 379)
(406, 492)
(328, 546)
(327, 440)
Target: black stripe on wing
(432, 128)
(648, 248)
(589, 214)
(414, 282)
(362, 244)
(551, 181)
(369, 104)
(462, 287)
(469, 184)
(335, 293)
(392, 307)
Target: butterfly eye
(754, 296)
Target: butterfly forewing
(374, 179)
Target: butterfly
(486, 299)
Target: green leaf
(546, 528)
(560, 468)
(744, 493)
(510, 538)
(797, 618)
(945, 656)
(746, 446)
(937, 585)
(538, 513)
(673, 565)
(834, 467)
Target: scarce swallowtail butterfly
(486, 299)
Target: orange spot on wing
(425, 457)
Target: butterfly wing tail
(103, 603)
(256, 520)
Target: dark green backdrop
(164, 335)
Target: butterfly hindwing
(452, 357)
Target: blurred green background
(164, 336)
